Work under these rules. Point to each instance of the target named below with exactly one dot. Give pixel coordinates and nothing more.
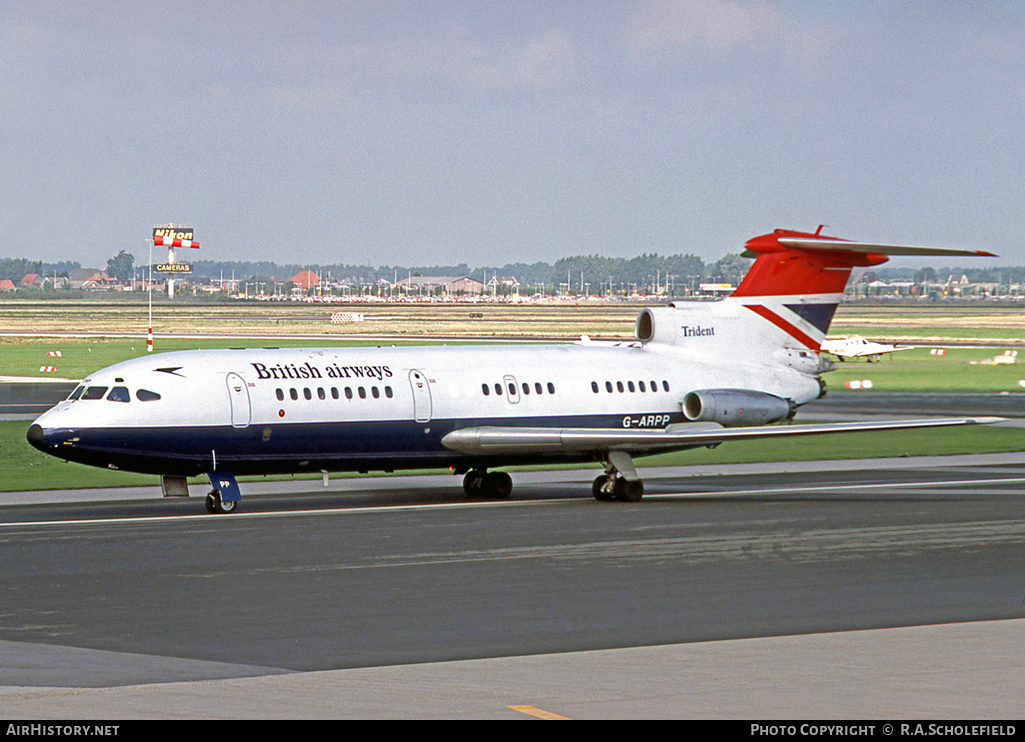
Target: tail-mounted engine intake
(736, 407)
(657, 324)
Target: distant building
(450, 284)
(7, 285)
(305, 280)
(90, 278)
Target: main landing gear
(620, 480)
(490, 485)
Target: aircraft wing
(873, 351)
(513, 441)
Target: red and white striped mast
(166, 234)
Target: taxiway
(839, 589)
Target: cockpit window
(145, 395)
(119, 394)
(94, 392)
(77, 393)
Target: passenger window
(348, 392)
(281, 394)
(320, 393)
(619, 386)
(537, 387)
(119, 394)
(293, 394)
(145, 395)
(512, 389)
(526, 388)
(640, 385)
(362, 393)
(665, 385)
(630, 386)
(486, 389)
(388, 392)
(334, 392)
(78, 392)
(551, 388)
(608, 386)
(307, 393)
(594, 387)
(498, 389)
(376, 392)
(94, 392)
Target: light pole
(149, 336)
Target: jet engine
(736, 407)
(656, 324)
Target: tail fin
(798, 278)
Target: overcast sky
(422, 133)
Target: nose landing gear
(215, 504)
(225, 495)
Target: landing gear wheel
(629, 491)
(472, 483)
(493, 485)
(602, 488)
(214, 504)
(497, 485)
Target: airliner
(697, 374)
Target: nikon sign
(173, 232)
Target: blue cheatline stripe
(280, 447)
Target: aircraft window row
(117, 394)
(538, 388)
(321, 393)
(640, 386)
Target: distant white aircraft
(855, 346)
(698, 374)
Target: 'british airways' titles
(309, 371)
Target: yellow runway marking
(539, 713)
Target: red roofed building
(305, 280)
(7, 285)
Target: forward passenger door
(422, 407)
(241, 406)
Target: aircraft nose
(35, 435)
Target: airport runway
(888, 588)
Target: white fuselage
(275, 410)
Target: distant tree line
(14, 269)
(593, 273)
